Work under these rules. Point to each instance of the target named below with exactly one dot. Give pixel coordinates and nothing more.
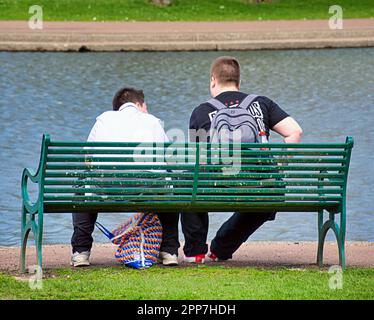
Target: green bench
(131, 177)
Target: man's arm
(158, 133)
(95, 131)
(200, 122)
(289, 129)
(92, 137)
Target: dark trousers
(84, 224)
(229, 237)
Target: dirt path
(261, 254)
(167, 36)
(157, 27)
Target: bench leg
(39, 240)
(24, 235)
(339, 232)
(37, 230)
(320, 239)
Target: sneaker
(80, 259)
(198, 259)
(212, 257)
(168, 259)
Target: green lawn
(182, 10)
(201, 282)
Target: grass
(201, 282)
(182, 10)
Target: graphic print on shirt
(255, 111)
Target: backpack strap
(247, 101)
(217, 104)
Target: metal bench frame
(200, 193)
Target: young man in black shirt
(224, 86)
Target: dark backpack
(234, 124)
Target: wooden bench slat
(297, 152)
(172, 197)
(123, 190)
(270, 175)
(274, 161)
(81, 144)
(183, 160)
(192, 151)
(213, 175)
(140, 197)
(317, 168)
(216, 183)
(128, 174)
(91, 182)
(121, 167)
(271, 190)
(132, 158)
(201, 190)
(274, 167)
(167, 206)
(262, 161)
(97, 155)
(269, 183)
(129, 151)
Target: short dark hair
(125, 95)
(226, 70)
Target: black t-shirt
(263, 107)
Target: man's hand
(289, 129)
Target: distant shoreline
(184, 36)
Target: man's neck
(226, 89)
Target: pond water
(329, 92)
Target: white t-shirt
(128, 124)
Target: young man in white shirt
(128, 122)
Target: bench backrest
(78, 175)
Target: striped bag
(138, 240)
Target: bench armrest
(29, 174)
